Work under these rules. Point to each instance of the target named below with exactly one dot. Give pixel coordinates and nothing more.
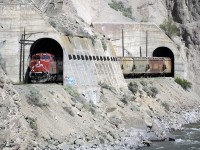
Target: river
(186, 139)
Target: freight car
(44, 67)
(145, 66)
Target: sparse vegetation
(32, 124)
(115, 121)
(76, 97)
(147, 90)
(125, 99)
(34, 98)
(111, 109)
(144, 83)
(72, 92)
(151, 91)
(169, 28)
(133, 87)
(69, 110)
(3, 64)
(119, 6)
(53, 24)
(183, 83)
(92, 38)
(106, 86)
(52, 92)
(104, 44)
(91, 107)
(154, 91)
(165, 105)
(134, 108)
(144, 19)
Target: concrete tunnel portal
(165, 52)
(47, 45)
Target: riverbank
(186, 139)
(50, 116)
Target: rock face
(184, 11)
(187, 14)
(13, 127)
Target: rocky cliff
(187, 15)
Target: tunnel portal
(48, 45)
(165, 52)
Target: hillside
(52, 116)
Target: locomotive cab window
(36, 57)
(45, 57)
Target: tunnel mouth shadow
(47, 45)
(165, 52)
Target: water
(187, 139)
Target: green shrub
(125, 99)
(32, 124)
(106, 86)
(90, 106)
(34, 98)
(147, 90)
(69, 110)
(133, 87)
(154, 91)
(76, 97)
(72, 92)
(165, 105)
(115, 121)
(144, 83)
(3, 62)
(134, 108)
(104, 45)
(169, 28)
(151, 91)
(119, 6)
(184, 83)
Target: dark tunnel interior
(165, 52)
(47, 45)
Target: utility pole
(122, 42)
(23, 54)
(20, 61)
(23, 42)
(146, 42)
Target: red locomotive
(43, 68)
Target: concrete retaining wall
(84, 74)
(136, 37)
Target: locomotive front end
(39, 66)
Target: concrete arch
(47, 45)
(165, 52)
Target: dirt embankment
(50, 116)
